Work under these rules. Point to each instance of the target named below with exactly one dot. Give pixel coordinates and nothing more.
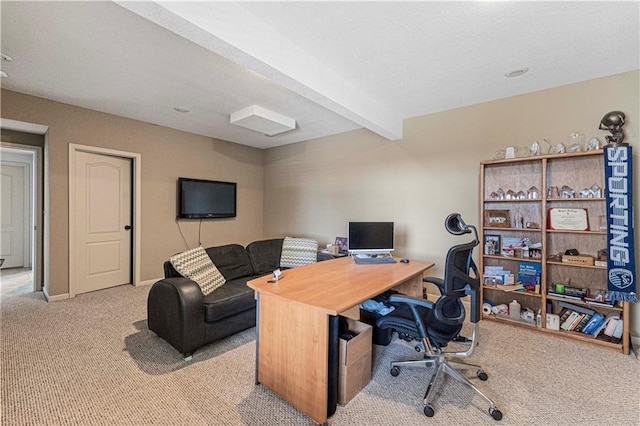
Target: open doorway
(21, 215)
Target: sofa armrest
(324, 256)
(175, 312)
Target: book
(577, 308)
(576, 321)
(585, 320)
(564, 314)
(594, 323)
(566, 325)
(529, 273)
(608, 319)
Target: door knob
(127, 227)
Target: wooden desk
(293, 322)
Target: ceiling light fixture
(181, 110)
(6, 58)
(516, 73)
(262, 120)
(4, 74)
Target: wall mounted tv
(372, 237)
(205, 199)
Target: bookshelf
(523, 215)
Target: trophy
(614, 121)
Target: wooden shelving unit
(578, 170)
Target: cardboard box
(354, 371)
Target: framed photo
(497, 218)
(341, 242)
(492, 246)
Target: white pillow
(298, 252)
(196, 265)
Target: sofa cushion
(232, 261)
(232, 298)
(265, 255)
(298, 252)
(196, 265)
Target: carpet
(91, 360)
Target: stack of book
(587, 321)
(497, 275)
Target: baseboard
(636, 342)
(55, 298)
(148, 282)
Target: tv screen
(370, 236)
(202, 199)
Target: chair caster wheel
(482, 375)
(395, 371)
(428, 410)
(496, 414)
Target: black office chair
(435, 324)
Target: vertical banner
(621, 266)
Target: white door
(103, 222)
(13, 216)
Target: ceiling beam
(230, 31)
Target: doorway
(21, 217)
(104, 220)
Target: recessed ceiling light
(4, 74)
(516, 73)
(6, 58)
(181, 110)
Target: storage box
(354, 371)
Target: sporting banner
(621, 271)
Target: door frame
(36, 212)
(136, 180)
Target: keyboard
(362, 259)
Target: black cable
(181, 233)
(199, 229)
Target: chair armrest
(175, 312)
(413, 303)
(439, 282)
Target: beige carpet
(92, 361)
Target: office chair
(435, 324)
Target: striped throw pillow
(298, 252)
(196, 265)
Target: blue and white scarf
(620, 239)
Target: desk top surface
(336, 285)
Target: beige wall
(166, 154)
(314, 188)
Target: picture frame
(571, 219)
(492, 245)
(341, 242)
(497, 218)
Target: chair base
(443, 367)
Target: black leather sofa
(178, 312)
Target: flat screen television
(205, 199)
(370, 237)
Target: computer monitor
(370, 237)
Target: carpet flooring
(92, 361)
